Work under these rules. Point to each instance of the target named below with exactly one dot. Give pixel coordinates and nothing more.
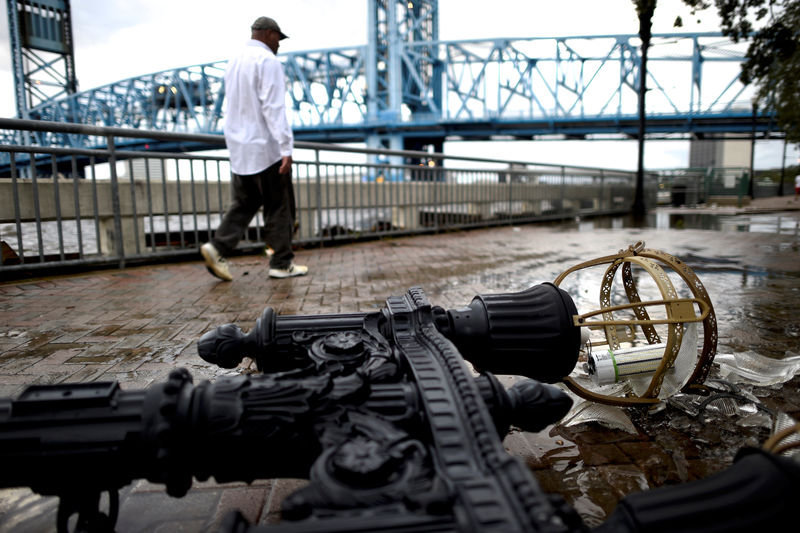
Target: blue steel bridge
(406, 89)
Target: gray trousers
(273, 192)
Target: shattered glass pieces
(751, 367)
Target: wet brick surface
(134, 326)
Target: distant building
(720, 153)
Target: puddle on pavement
(784, 223)
(770, 223)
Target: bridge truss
(408, 89)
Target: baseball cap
(266, 23)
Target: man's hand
(286, 165)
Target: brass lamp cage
(679, 313)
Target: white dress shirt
(257, 131)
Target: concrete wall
(351, 206)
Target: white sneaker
(215, 263)
(288, 272)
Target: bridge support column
(390, 142)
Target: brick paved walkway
(134, 326)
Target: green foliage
(774, 174)
(773, 56)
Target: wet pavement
(134, 326)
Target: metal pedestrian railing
(123, 203)
(728, 185)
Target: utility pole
(752, 154)
(644, 9)
(783, 169)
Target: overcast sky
(118, 39)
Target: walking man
(260, 142)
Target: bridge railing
(83, 207)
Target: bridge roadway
(667, 126)
(135, 325)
